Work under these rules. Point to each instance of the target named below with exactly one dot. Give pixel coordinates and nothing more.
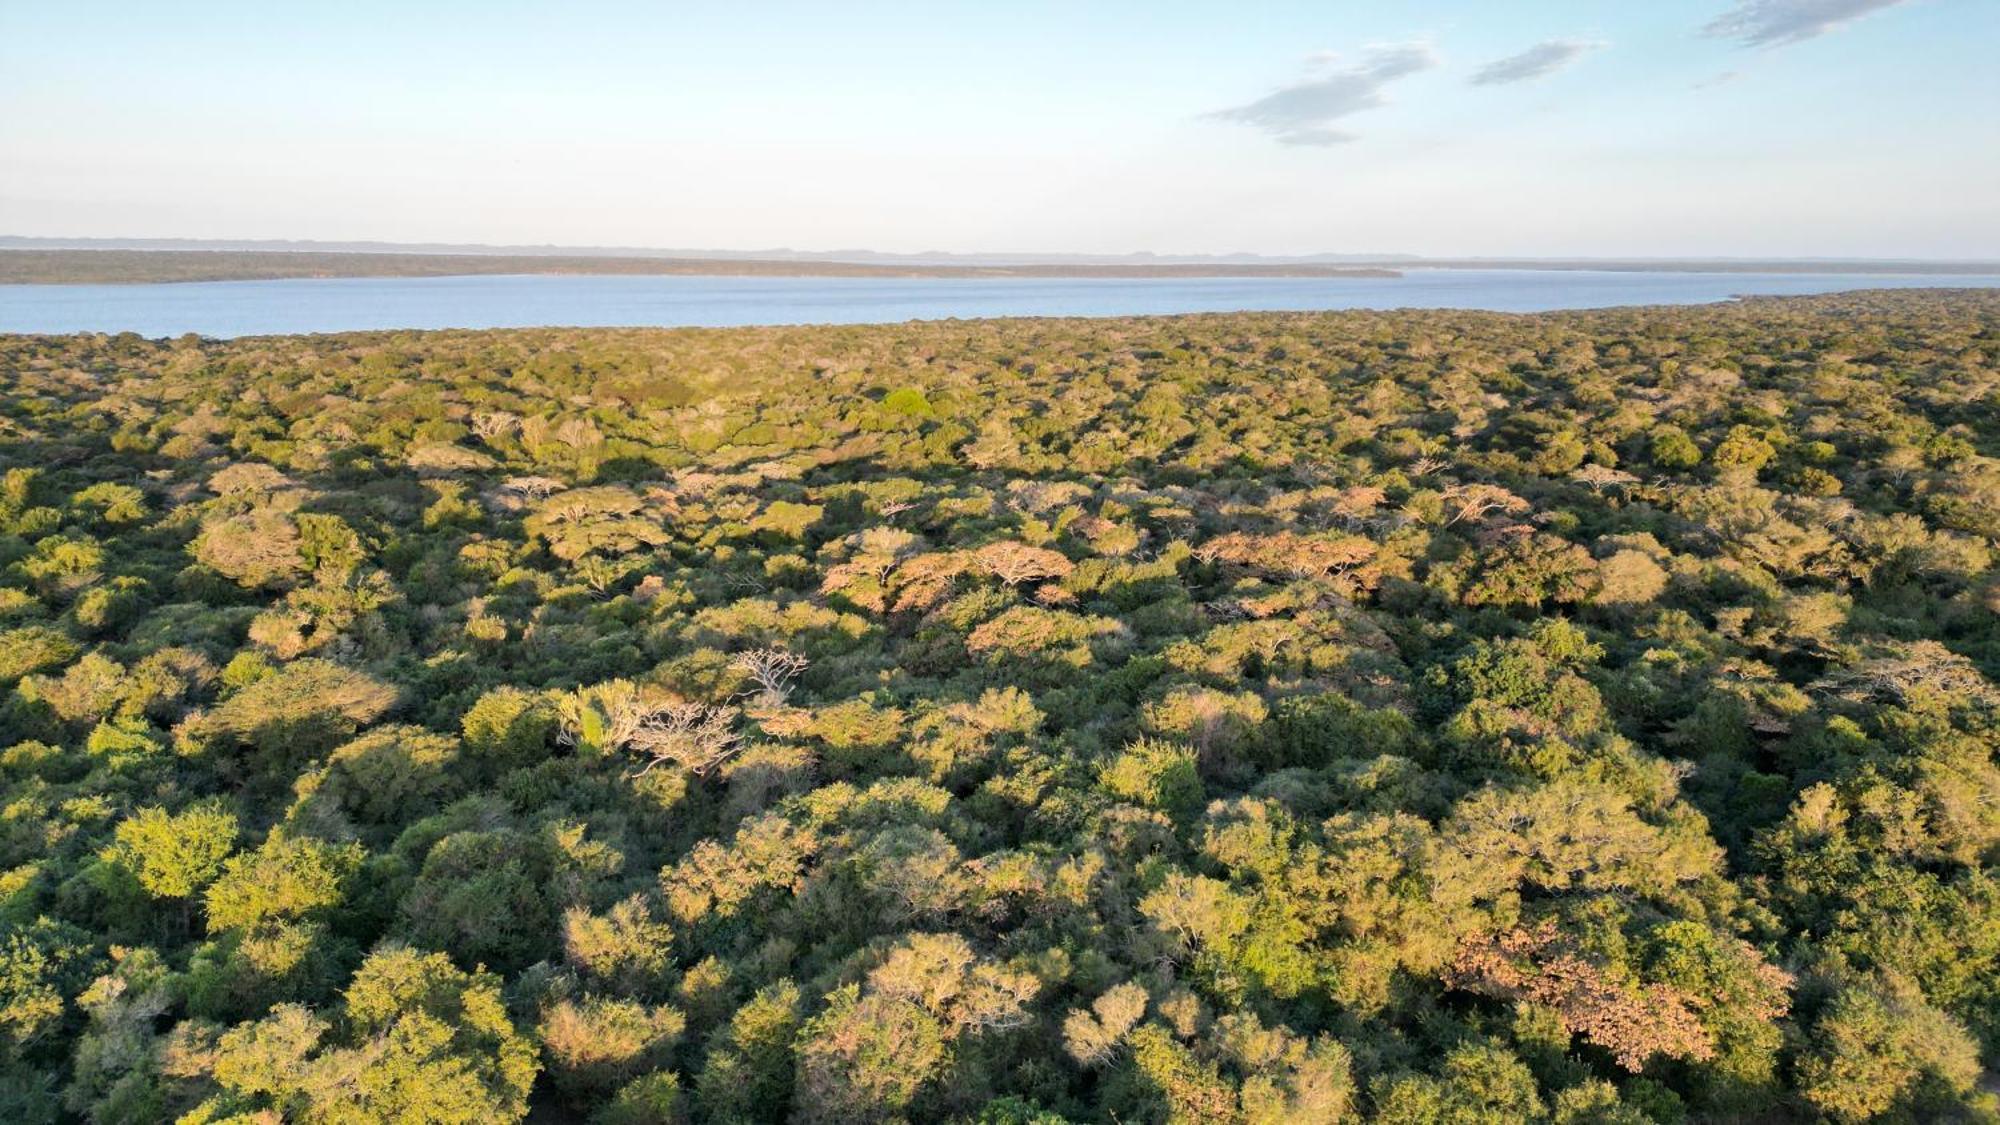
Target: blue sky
(1675, 127)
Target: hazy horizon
(864, 254)
(1758, 129)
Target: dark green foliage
(1420, 717)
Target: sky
(1837, 128)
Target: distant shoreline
(50, 261)
(1715, 265)
(142, 267)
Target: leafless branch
(774, 669)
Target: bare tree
(1471, 501)
(774, 669)
(534, 488)
(618, 715)
(695, 736)
(1600, 477)
(490, 424)
(602, 717)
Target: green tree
(174, 855)
(418, 1040)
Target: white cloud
(1774, 23)
(1535, 62)
(1304, 113)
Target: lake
(248, 308)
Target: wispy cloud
(1774, 23)
(1307, 112)
(1536, 61)
(1723, 79)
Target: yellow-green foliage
(1246, 719)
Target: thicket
(1412, 717)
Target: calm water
(248, 308)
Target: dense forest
(1408, 717)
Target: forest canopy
(1254, 718)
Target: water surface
(253, 308)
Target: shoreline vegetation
(140, 265)
(115, 267)
(1581, 718)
